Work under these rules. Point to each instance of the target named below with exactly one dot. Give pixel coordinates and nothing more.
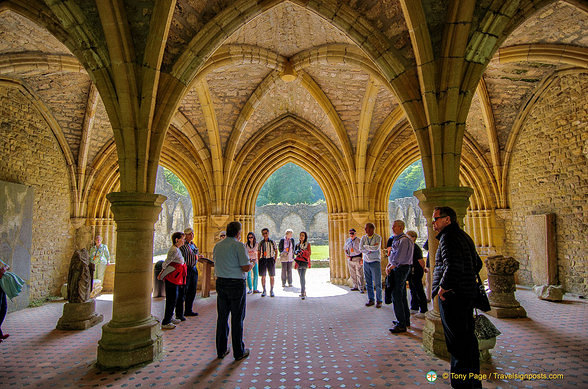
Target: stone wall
(30, 155)
(408, 210)
(548, 174)
(299, 217)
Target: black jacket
(282, 244)
(456, 262)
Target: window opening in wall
(176, 213)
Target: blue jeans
(255, 272)
(230, 300)
(373, 279)
(399, 295)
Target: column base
(507, 312)
(133, 344)
(79, 316)
(339, 281)
(433, 336)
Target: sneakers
(272, 293)
(256, 291)
(290, 285)
(362, 291)
(369, 303)
(397, 329)
(263, 293)
(379, 304)
(181, 318)
(169, 326)
(303, 295)
(176, 321)
(283, 285)
(249, 291)
(245, 355)
(354, 289)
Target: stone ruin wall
(549, 163)
(177, 212)
(30, 155)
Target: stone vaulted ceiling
(337, 91)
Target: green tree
(411, 179)
(290, 184)
(177, 184)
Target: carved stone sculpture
(80, 312)
(502, 286)
(79, 278)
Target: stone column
(383, 229)
(133, 336)
(458, 199)
(337, 226)
(502, 285)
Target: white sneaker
(169, 326)
(176, 321)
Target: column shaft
(133, 336)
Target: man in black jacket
(454, 280)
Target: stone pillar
(383, 229)
(458, 199)
(502, 285)
(133, 336)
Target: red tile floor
(330, 340)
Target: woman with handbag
(174, 274)
(302, 252)
(286, 248)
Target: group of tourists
(265, 254)
(405, 263)
(238, 265)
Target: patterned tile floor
(330, 340)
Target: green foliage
(177, 184)
(411, 179)
(291, 185)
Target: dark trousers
(287, 273)
(418, 299)
(174, 300)
(3, 308)
(302, 274)
(399, 295)
(190, 288)
(230, 300)
(458, 325)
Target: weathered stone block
(549, 292)
(502, 285)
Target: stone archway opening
(403, 205)
(291, 198)
(176, 213)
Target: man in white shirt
(370, 246)
(354, 260)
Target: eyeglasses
(352, 233)
(437, 218)
(249, 237)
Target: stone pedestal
(433, 335)
(133, 336)
(458, 199)
(502, 285)
(79, 316)
(108, 284)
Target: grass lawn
(319, 252)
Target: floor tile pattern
(329, 340)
